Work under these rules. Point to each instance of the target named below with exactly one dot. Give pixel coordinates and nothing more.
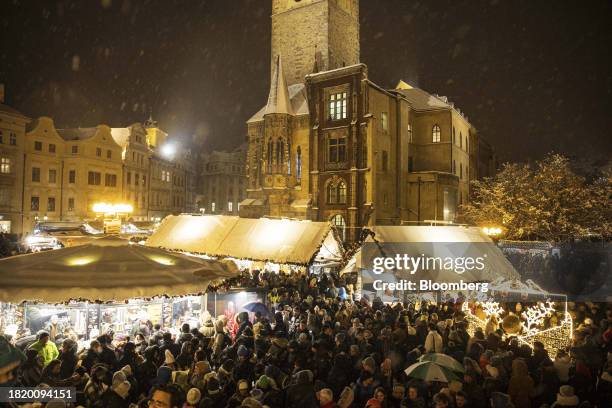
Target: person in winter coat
(68, 357)
(129, 356)
(433, 341)
(91, 356)
(244, 369)
(116, 396)
(521, 385)
(147, 370)
(45, 348)
(31, 370)
(326, 398)
(106, 355)
(242, 392)
(566, 398)
(99, 382)
(302, 393)
(51, 376)
(364, 389)
(169, 344)
(185, 358)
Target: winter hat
(369, 364)
(118, 378)
(122, 388)
(202, 367)
(169, 357)
(243, 385)
(243, 351)
(251, 402)
(492, 371)
(127, 370)
(566, 396)
(193, 396)
(213, 386)
(263, 382)
(411, 331)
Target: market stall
(270, 244)
(106, 284)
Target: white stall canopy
(107, 269)
(280, 241)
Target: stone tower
(309, 32)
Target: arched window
(269, 166)
(260, 162)
(340, 224)
(460, 139)
(289, 157)
(332, 197)
(435, 134)
(279, 155)
(409, 133)
(298, 163)
(460, 171)
(341, 192)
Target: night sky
(532, 76)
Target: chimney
(1, 93)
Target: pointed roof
(401, 85)
(278, 100)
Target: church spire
(278, 100)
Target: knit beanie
(122, 389)
(169, 357)
(193, 396)
(118, 378)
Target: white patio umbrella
(107, 269)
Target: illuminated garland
(492, 309)
(535, 315)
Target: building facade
(12, 145)
(49, 174)
(223, 182)
(332, 145)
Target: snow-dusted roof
(77, 133)
(299, 103)
(106, 269)
(279, 241)
(421, 100)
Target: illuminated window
(337, 106)
(336, 150)
(212, 207)
(384, 121)
(336, 193)
(5, 165)
(435, 134)
(340, 224)
(298, 163)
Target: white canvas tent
(107, 269)
(429, 240)
(279, 241)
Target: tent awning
(107, 269)
(269, 240)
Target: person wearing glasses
(164, 397)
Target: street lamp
(168, 150)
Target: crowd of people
(318, 348)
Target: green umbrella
(443, 360)
(430, 371)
